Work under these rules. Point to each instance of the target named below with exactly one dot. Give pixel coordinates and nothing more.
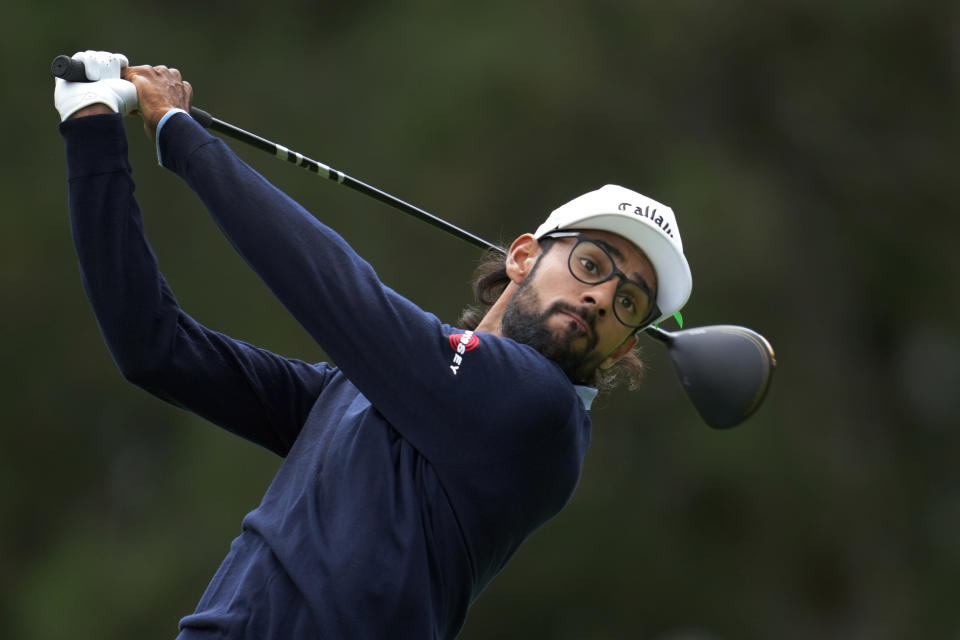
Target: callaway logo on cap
(648, 224)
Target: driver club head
(725, 370)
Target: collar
(587, 394)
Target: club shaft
(659, 334)
(325, 171)
(300, 160)
(294, 157)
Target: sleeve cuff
(160, 124)
(95, 144)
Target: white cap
(648, 224)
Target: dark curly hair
(489, 281)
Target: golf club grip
(68, 69)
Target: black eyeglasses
(590, 263)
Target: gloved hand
(106, 86)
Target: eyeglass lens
(590, 264)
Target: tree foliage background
(809, 150)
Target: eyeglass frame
(654, 312)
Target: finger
(129, 73)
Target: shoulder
(467, 396)
(507, 376)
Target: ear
(521, 257)
(620, 351)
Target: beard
(523, 323)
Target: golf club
(724, 369)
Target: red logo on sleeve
(469, 340)
(461, 343)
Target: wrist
(91, 110)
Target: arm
(400, 357)
(248, 391)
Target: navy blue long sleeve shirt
(413, 469)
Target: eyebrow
(610, 249)
(618, 255)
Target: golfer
(415, 467)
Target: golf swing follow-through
(415, 467)
(725, 369)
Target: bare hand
(159, 89)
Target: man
(414, 468)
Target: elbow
(142, 367)
(144, 353)
(135, 373)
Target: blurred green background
(810, 150)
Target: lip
(578, 321)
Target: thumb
(126, 93)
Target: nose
(599, 297)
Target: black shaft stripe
(283, 153)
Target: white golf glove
(106, 86)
